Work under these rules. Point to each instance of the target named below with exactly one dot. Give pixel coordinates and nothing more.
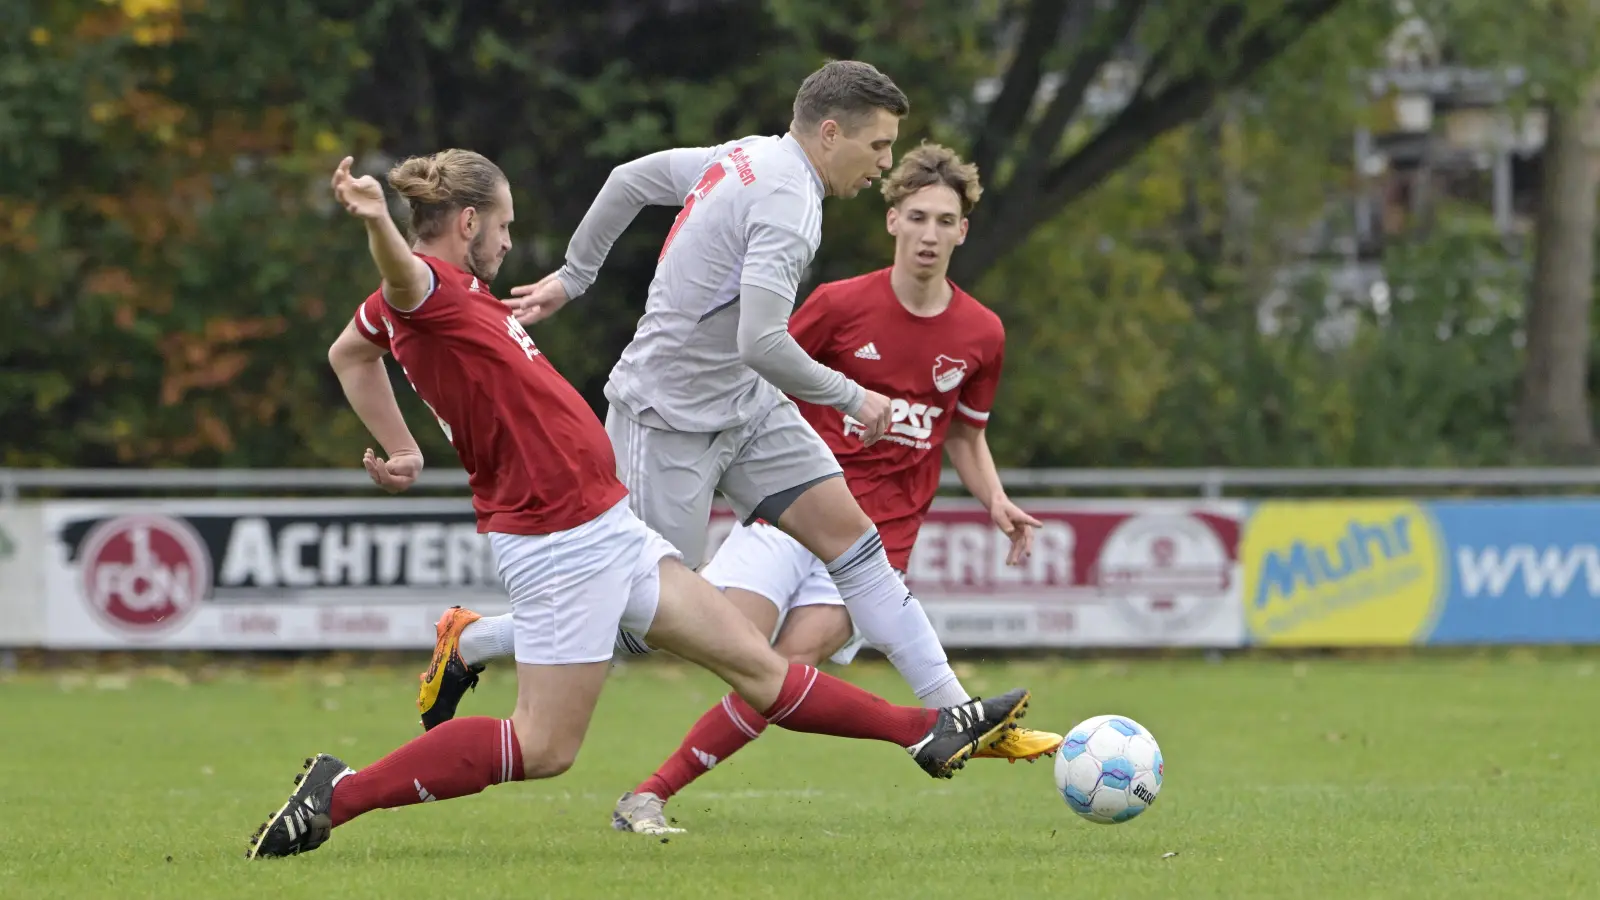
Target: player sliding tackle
(577, 563)
(907, 332)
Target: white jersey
(752, 215)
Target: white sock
(889, 617)
(950, 693)
(488, 638)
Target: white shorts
(572, 591)
(764, 560)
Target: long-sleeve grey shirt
(713, 349)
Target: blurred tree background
(1303, 232)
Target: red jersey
(537, 458)
(932, 368)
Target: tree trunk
(1553, 417)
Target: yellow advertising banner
(1342, 573)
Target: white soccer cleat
(642, 814)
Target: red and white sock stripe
(506, 767)
(750, 731)
(779, 715)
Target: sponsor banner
(1102, 574)
(375, 574)
(1398, 572)
(22, 551)
(1520, 572)
(261, 573)
(1343, 573)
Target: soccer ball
(1109, 769)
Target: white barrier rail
(1207, 482)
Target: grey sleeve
(659, 179)
(766, 346)
(776, 255)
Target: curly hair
(932, 164)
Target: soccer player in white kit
(698, 399)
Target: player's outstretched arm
(663, 178)
(660, 179)
(406, 279)
(968, 447)
(358, 363)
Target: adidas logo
(422, 791)
(705, 758)
(868, 351)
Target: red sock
(718, 735)
(459, 757)
(821, 704)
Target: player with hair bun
(578, 565)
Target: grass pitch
(1450, 778)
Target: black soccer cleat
(962, 730)
(303, 823)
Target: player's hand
(395, 474)
(1018, 526)
(536, 302)
(874, 414)
(361, 197)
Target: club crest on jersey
(948, 372)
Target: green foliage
(169, 282)
(175, 273)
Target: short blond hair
(932, 164)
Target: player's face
(491, 238)
(863, 154)
(927, 227)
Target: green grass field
(1450, 778)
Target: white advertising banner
(329, 573)
(290, 574)
(22, 573)
(1133, 573)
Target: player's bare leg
(761, 612)
(696, 622)
(466, 642)
(811, 634)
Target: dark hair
(849, 92)
(932, 164)
(440, 185)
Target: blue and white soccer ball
(1109, 769)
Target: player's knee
(544, 754)
(547, 760)
(814, 633)
(826, 519)
(805, 647)
(806, 656)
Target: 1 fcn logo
(144, 574)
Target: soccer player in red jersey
(910, 334)
(577, 563)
